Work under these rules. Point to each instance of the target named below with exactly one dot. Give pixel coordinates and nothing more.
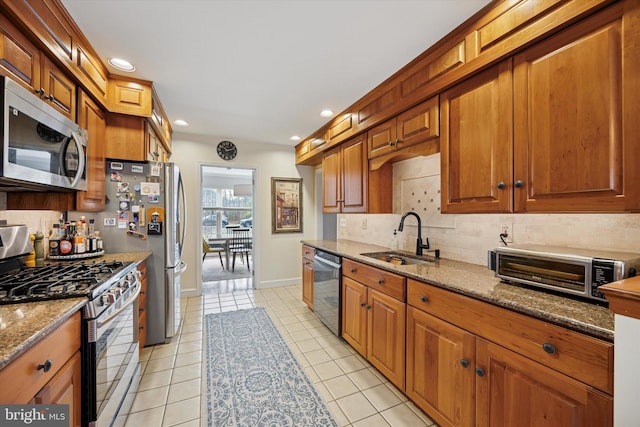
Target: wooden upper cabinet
(476, 143)
(345, 178)
(571, 139)
(23, 62)
(391, 139)
(129, 97)
(58, 89)
(19, 58)
(125, 138)
(93, 119)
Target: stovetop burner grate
(59, 280)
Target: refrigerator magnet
(123, 187)
(155, 219)
(155, 169)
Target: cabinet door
(92, 118)
(382, 139)
(418, 124)
(331, 182)
(440, 374)
(512, 390)
(65, 389)
(19, 58)
(307, 282)
(386, 336)
(354, 314)
(59, 90)
(568, 120)
(355, 173)
(476, 143)
(125, 138)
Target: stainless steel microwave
(578, 272)
(42, 150)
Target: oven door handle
(115, 313)
(326, 262)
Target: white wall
(468, 237)
(277, 257)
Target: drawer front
(579, 356)
(308, 252)
(388, 283)
(58, 347)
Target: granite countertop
(22, 325)
(479, 282)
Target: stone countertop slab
(479, 282)
(19, 330)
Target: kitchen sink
(397, 258)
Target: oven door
(112, 360)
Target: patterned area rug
(253, 379)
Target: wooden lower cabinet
(60, 383)
(65, 389)
(440, 373)
(307, 275)
(512, 390)
(461, 373)
(374, 324)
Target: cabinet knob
(549, 348)
(392, 143)
(39, 91)
(353, 270)
(464, 363)
(380, 282)
(424, 298)
(363, 304)
(480, 372)
(46, 366)
(368, 307)
(501, 185)
(519, 184)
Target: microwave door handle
(75, 136)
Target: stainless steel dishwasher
(327, 270)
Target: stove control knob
(109, 298)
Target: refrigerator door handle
(184, 213)
(181, 267)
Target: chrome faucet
(419, 245)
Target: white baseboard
(279, 283)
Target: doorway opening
(227, 214)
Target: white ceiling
(261, 70)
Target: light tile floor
(171, 385)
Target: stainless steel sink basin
(397, 258)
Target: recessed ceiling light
(122, 64)
(180, 122)
(295, 138)
(326, 113)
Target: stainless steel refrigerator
(146, 211)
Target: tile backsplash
(416, 187)
(34, 220)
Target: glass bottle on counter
(54, 240)
(91, 237)
(80, 238)
(66, 241)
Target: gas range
(62, 280)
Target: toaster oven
(571, 271)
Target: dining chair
(212, 249)
(240, 243)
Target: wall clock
(227, 150)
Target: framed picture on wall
(286, 205)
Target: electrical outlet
(364, 224)
(507, 229)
